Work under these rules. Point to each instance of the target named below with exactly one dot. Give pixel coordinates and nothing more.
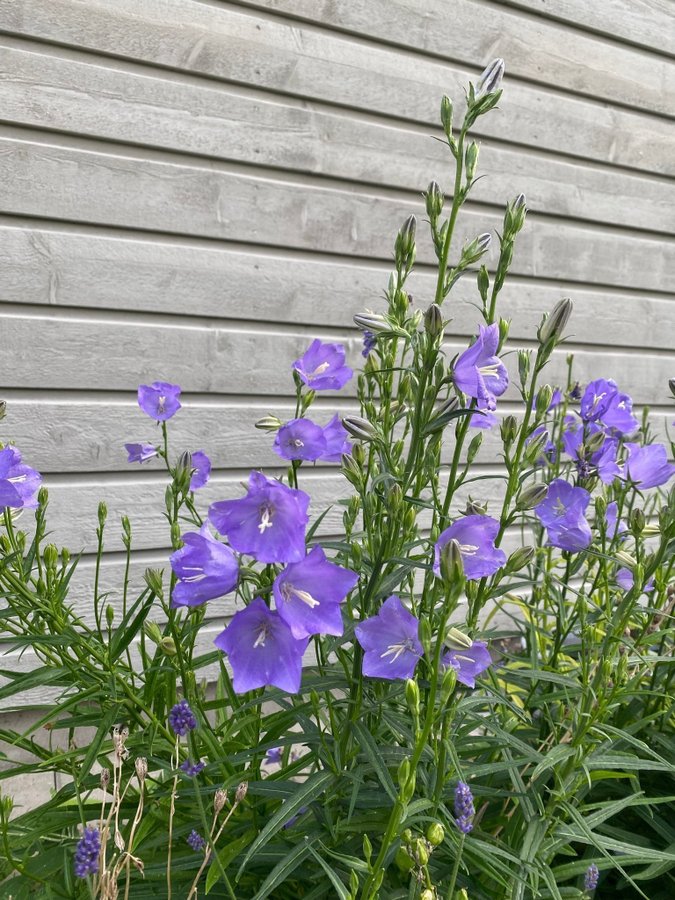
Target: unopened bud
(351, 470)
(626, 559)
(404, 247)
(153, 631)
(446, 115)
(637, 521)
(102, 513)
(457, 639)
(433, 321)
(219, 800)
(520, 558)
(241, 792)
(504, 326)
(428, 894)
(51, 556)
(269, 423)
(543, 401)
(509, 429)
(434, 200)
(109, 614)
(359, 428)
(374, 322)
(483, 281)
(367, 848)
(451, 564)
(448, 684)
(471, 160)
(474, 447)
(412, 696)
(553, 325)
(168, 646)
(491, 77)
(474, 508)
(420, 852)
(531, 496)
(473, 251)
(141, 766)
(523, 366)
(594, 442)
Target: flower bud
(457, 639)
(219, 800)
(626, 559)
(473, 508)
(543, 400)
(553, 325)
(367, 848)
(153, 579)
(451, 565)
(359, 428)
(491, 78)
(637, 522)
(369, 321)
(412, 696)
(446, 116)
(448, 684)
(594, 442)
(473, 251)
(351, 470)
(434, 200)
(420, 852)
(395, 496)
(168, 646)
(109, 615)
(671, 385)
(404, 246)
(403, 773)
(433, 321)
(520, 558)
(531, 496)
(504, 326)
(483, 281)
(523, 366)
(50, 556)
(471, 160)
(536, 447)
(509, 429)
(474, 447)
(102, 513)
(269, 423)
(428, 894)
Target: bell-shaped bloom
(336, 440)
(484, 418)
(604, 403)
(468, 661)
(322, 367)
(391, 642)
(205, 569)
(262, 650)
(563, 515)
(300, 439)
(159, 400)
(479, 373)
(624, 578)
(201, 465)
(476, 538)
(648, 467)
(19, 484)
(615, 526)
(602, 461)
(308, 595)
(269, 523)
(140, 453)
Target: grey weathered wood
(82, 433)
(108, 270)
(648, 23)
(135, 190)
(229, 45)
(538, 50)
(112, 355)
(122, 102)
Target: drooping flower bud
(369, 321)
(553, 325)
(269, 423)
(531, 496)
(359, 428)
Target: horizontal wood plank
(113, 102)
(536, 49)
(229, 45)
(50, 179)
(104, 270)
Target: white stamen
(491, 371)
(395, 650)
(318, 371)
(262, 636)
(468, 549)
(161, 403)
(296, 442)
(288, 592)
(265, 520)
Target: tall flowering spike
(322, 367)
(476, 538)
(563, 515)
(308, 595)
(604, 403)
(479, 373)
(201, 465)
(268, 523)
(648, 467)
(19, 484)
(205, 569)
(591, 877)
(140, 453)
(181, 718)
(336, 440)
(464, 809)
(603, 461)
(391, 641)
(262, 650)
(87, 853)
(159, 400)
(468, 661)
(300, 439)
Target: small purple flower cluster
(464, 809)
(182, 719)
(192, 769)
(591, 878)
(196, 841)
(87, 853)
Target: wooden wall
(192, 189)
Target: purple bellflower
(308, 595)
(479, 373)
(300, 439)
(322, 367)
(140, 453)
(391, 641)
(201, 465)
(604, 403)
(562, 514)
(181, 718)
(273, 755)
(476, 538)
(624, 578)
(603, 460)
(19, 484)
(468, 662)
(648, 466)
(336, 440)
(464, 809)
(268, 523)
(205, 569)
(615, 527)
(262, 650)
(87, 853)
(484, 418)
(159, 400)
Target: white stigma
(161, 403)
(468, 549)
(491, 371)
(395, 650)
(296, 442)
(288, 592)
(265, 520)
(318, 371)
(262, 636)
(199, 574)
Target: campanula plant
(461, 689)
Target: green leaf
(340, 889)
(369, 747)
(225, 856)
(283, 869)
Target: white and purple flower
(19, 484)
(205, 569)
(476, 536)
(159, 400)
(563, 515)
(322, 366)
(391, 642)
